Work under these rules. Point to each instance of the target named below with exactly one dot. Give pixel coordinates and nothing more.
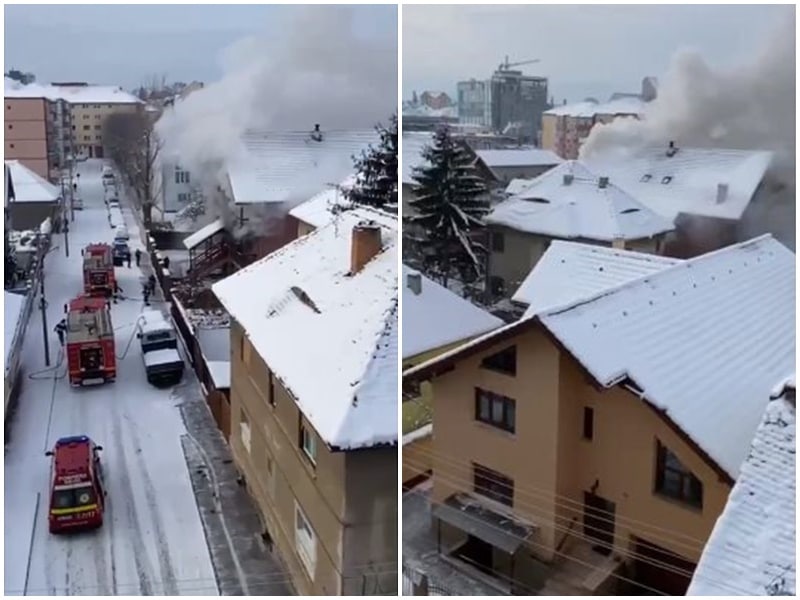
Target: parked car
(163, 364)
(121, 252)
(121, 233)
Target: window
(11, 145)
(588, 423)
(492, 484)
(495, 410)
(305, 540)
(98, 127)
(10, 126)
(504, 361)
(498, 242)
(85, 116)
(674, 480)
(87, 127)
(646, 177)
(271, 398)
(87, 138)
(307, 442)
(98, 138)
(665, 180)
(84, 106)
(74, 127)
(182, 197)
(97, 116)
(244, 430)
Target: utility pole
(63, 212)
(42, 306)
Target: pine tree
(447, 211)
(376, 183)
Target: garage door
(661, 569)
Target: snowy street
(152, 540)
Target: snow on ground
(152, 541)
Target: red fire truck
(98, 270)
(77, 492)
(90, 341)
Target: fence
(417, 583)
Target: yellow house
(314, 339)
(590, 448)
(435, 320)
(568, 202)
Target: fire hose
(37, 375)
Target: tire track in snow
(137, 542)
(170, 587)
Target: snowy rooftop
(569, 271)
(220, 371)
(679, 333)
(199, 236)
(752, 548)
(720, 325)
(423, 110)
(318, 211)
(153, 320)
(12, 307)
(287, 166)
(413, 144)
(518, 158)
(619, 106)
(305, 314)
(215, 343)
(555, 206)
(78, 94)
(30, 187)
(689, 181)
(437, 317)
(516, 186)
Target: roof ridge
(668, 269)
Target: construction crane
(505, 65)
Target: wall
(417, 458)
(29, 215)
(94, 116)
(525, 456)
(280, 475)
(549, 132)
(520, 254)
(621, 460)
(26, 133)
(506, 174)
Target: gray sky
(589, 50)
(123, 44)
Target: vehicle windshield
(73, 497)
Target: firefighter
(146, 294)
(166, 263)
(152, 281)
(129, 259)
(61, 330)
(138, 257)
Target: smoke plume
(751, 106)
(316, 70)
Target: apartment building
(569, 202)
(90, 106)
(314, 339)
(30, 134)
(596, 459)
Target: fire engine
(90, 341)
(98, 270)
(77, 492)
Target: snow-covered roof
(529, 157)
(619, 106)
(329, 337)
(413, 144)
(318, 211)
(12, 307)
(215, 343)
(220, 371)
(751, 550)
(30, 187)
(437, 317)
(74, 94)
(720, 326)
(516, 186)
(687, 182)
(569, 271)
(423, 110)
(153, 320)
(578, 208)
(165, 356)
(202, 234)
(288, 166)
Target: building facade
(518, 100)
(88, 119)
(475, 102)
(30, 134)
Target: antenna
(505, 65)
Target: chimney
(722, 192)
(672, 150)
(568, 178)
(365, 245)
(316, 135)
(415, 283)
(603, 183)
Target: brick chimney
(365, 245)
(603, 183)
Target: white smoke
(751, 106)
(315, 71)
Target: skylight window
(665, 180)
(628, 211)
(646, 177)
(539, 200)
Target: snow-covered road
(152, 541)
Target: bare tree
(134, 146)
